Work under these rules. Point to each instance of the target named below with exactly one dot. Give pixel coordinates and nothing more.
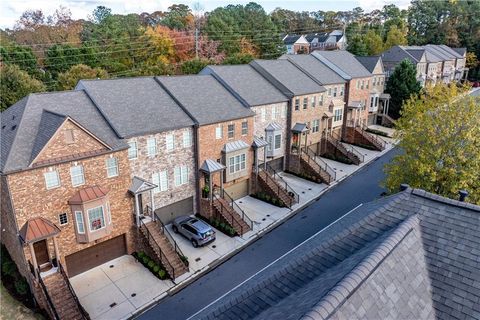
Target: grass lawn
(13, 309)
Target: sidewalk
(265, 217)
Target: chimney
(404, 187)
(463, 194)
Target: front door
(41, 252)
(140, 204)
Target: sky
(10, 10)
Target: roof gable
(372, 63)
(315, 68)
(345, 61)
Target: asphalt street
(362, 187)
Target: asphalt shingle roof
(345, 61)
(136, 106)
(247, 83)
(291, 39)
(26, 127)
(288, 76)
(369, 62)
(315, 68)
(412, 255)
(398, 54)
(205, 98)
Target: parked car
(195, 230)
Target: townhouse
(396, 54)
(160, 138)
(64, 189)
(223, 142)
(296, 44)
(334, 40)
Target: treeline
(53, 52)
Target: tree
(395, 37)
(373, 43)
(68, 80)
(16, 84)
(356, 46)
(238, 59)
(179, 17)
(100, 13)
(401, 85)
(159, 48)
(60, 57)
(472, 60)
(23, 57)
(194, 66)
(440, 137)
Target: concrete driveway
(114, 290)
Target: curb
(253, 238)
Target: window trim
(232, 131)
(275, 141)
(90, 223)
(60, 219)
(116, 166)
(130, 147)
(82, 175)
(187, 133)
(315, 125)
(149, 154)
(220, 128)
(79, 214)
(167, 144)
(242, 163)
(183, 175)
(245, 129)
(58, 179)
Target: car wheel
(194, 243)
(175, 229)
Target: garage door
(238, 190)
(179, 208)
(89, 258)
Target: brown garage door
(179, 208)
(89, 258)
(238, 190)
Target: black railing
(165, 231)
(163, 258)
(47, 296)
(283, 184)
(225, 213)
(84, 312)
(372, 137)
(315, 166)
(335, 139)
(325, 167)
(237, 208)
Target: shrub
(267, 198)
(141, 254)
(146, 259)
(222, 226)
(9, 268)
(21, 286)
(151, 264)
(162, 274)
(156, 268)
(231, 231)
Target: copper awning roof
(88, 194)
(37, 229)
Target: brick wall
(359, 94)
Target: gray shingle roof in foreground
(136, 106)
(28, 125)
(287, 77)
(345, 61)
(412, 255)
(315, 68)
(247, 83)
(206, 99)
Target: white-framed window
(342, 91)
(96, 218)
(156, 181)
(231, 131)
(187, 139)
(335, 91)
(52, 179)
(181, 175)
(374, 81)
(237, 163)
(368, 83)
(329, 92)
(112, 167)
(263, 114)
(278, 141)
(219, 131)
(244, 128)
(76, 175)
(363, 84)
(305, 103)
(315, 125)
(358, 84)
(284, 112)
(320, 100)
(275, 112)
(297, 103)
(63, 218)
(132, 150)
(79, 221)
(313, 101)
(161, 180)
(337, 115)
(170, 142)
(151, 147)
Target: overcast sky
(10, 10)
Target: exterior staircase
(351, 154)
(275, 185)
(62, 298)
(169, 254)
(224, 209)
(310, 160)
(376, 142)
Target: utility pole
(196, 41)
(197, 9)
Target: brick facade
(359, 90)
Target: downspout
(345, 109)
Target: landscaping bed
(157, 269)
(338, 158)
(268, 199)
(305, 176)
(219, 225)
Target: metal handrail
(279, 179)
(311, 161)
(237, 208)
(47, 296)
(84, 312)
(331, 172)
(163, 257)
(276, 184)
(170, 238)
(336, 140)
(374, 137)
(224, 216)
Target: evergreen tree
(356, 46)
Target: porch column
(221, 181)
(152, 204)
(137, 210)
(256, 160)
(210, 185)
(34, 260)
(55, 247)
(265, 158)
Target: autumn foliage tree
(439, 137)
(68, 80)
